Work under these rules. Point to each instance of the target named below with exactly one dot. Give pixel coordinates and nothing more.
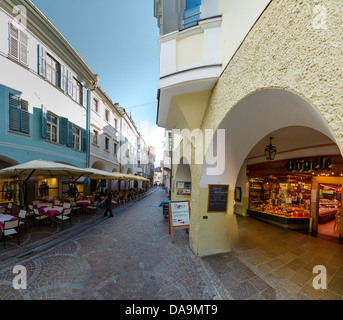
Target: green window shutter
(63, 130)
(25, 121)
(70, 135)
(84, 140)
(15, 114)
(44, 123)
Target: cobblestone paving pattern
(131, 257)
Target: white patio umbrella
(97, 174)
(50, 169)
(44, 168)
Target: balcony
(190, 65)
(191, 17)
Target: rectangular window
(95, 105)
(76, 138)
(107, 143)
(115, 149)
(19, 115)
(52, 70)
(77, 91)
(107, 115)
(18, 42)
(192, 13)
(116, 124)
(95, 137)
(52, 128)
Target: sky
(119, 41)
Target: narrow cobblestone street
(131, 257)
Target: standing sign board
(179, 213)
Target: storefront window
(285, 196)
(47, 188)
(9, 191)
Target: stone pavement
(131, 257)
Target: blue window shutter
(84, 140)
(63, 130)
(44, 123)
(70, 135)
(15, 112)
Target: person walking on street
(108, 202)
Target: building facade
(104, 132)
(44, 91)
(260, 80)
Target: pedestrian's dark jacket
(109, 198)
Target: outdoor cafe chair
(92, 208)
(66, 205)
(2, 210)
(9, 207)
(39, 217)
(35, 202)
(31, 213)
(10, 229)
(74, 207)
(63, 216)
(57, 202)
(22, 219)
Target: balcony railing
(191, 17)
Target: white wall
(36, 90)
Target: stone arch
(99, 165)
(262, 113)
(248, 123)
(6, 162)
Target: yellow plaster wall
(283, 50)
(190, 50)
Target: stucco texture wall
(285, 49)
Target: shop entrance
(329, 209)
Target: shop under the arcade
(301, 194)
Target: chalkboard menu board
(217, 198)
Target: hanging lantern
(270, 151)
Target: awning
(104, 175)
(133, 177)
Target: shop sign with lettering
(301, 165)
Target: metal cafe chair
(11, 228)
(63, 216)
(9, 207)
(22, 219)
(39, 217)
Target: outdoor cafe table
(5, 217)
(84, 204)
(52, 211)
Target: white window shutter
(70, 83)
(23, 47)
(84, 96)
(63, 78)
(13, 42)
(42, 61)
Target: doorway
(329, 209)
